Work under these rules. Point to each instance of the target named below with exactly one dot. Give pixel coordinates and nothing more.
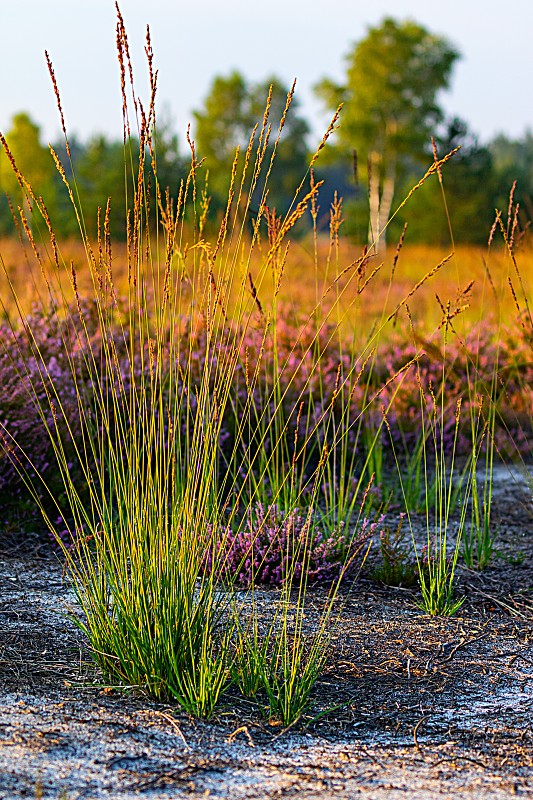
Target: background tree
(105, 172)
(513, 161)
(469, 185)
(170, 165)
(33, 160)
(108, 169)
(231, 109)
(390, 104)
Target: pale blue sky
(193, 40)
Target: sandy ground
(423, 707)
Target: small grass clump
(396, 566)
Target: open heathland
(281, 482)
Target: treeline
(101, 173)
(392, 126)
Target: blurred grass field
(319, 272)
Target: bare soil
(409, 705)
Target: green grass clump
(150, 486)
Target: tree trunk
(385, 203)
(380, 195)
(374, 164)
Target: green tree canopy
(33, 160)
(391, 104)
(231, 109)
(170, 165)
(100, 169)
(104, 172)
(513, 161)
(469, 185)
(107, 169)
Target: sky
(194, 40)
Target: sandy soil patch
(420, 707)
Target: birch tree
(393, 79)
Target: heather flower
(312, 394)
(271, 546)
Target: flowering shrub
(26, 413)
(271, 546)
(310, 368)
(397, 566)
